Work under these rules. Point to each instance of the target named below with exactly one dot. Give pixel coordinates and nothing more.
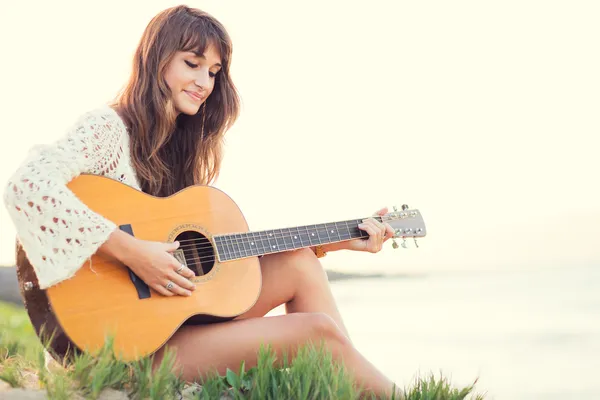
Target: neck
(250, 244)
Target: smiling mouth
(194, 96)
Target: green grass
(311, 375)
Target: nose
(202, 79)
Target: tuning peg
(404, 207)
(394, 244)
(395, 208)
(403, 242)
(416, 244)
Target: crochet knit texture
(58, 231)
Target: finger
(372, 242)
(162, 290)
(377, 230)
(382, 212)
(170, 247)
(367, 226)
(185, 272)
(389, 231)
(178, 290)
(181, 281)
(378, 224)
(379, 227)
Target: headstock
(406, 223)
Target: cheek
(175, 77)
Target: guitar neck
(249, 244)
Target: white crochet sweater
(58, 232)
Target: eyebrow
(199, 55)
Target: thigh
(202, 349)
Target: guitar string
(204, 243)
(264, 250)
(272, 235)
(242, 253)
(357, 221)
(238, 256)
(248, 237)
(245, 237)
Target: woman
(163, 133)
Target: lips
(195, 95)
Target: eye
(191, 65)
(212, 74)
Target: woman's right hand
(152, 262)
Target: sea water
(531, 334)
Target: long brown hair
(170, 152)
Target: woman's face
(191, 78)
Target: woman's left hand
(378, 234)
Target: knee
(306, 264)
(322, 327)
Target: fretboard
(240, 245)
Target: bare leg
(203, 349)
(298, 280)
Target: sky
(481, 115)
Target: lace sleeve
(58, 231)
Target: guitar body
(102, 298)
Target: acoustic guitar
(106, 298)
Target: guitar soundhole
(198, 252)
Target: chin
(188, 109)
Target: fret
(264, 243)
(281, 240)
(293, 239)
(247, 240)
(278, 241)
(270, 241)
(328, 235)
(312, 238)
(227, 245)
(245, 245)
(240, 245)
(230, 243)
(334, 233)
(260, 242)
(234, 247)
(219, 243)
(342, 228)
(254, 249)
(348, 229)
(288, 239)
(285, 239)
(252, 244)
(322, 234)
(303, 236)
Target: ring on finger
(170, 285)
(180, 269)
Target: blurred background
(484, 116)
